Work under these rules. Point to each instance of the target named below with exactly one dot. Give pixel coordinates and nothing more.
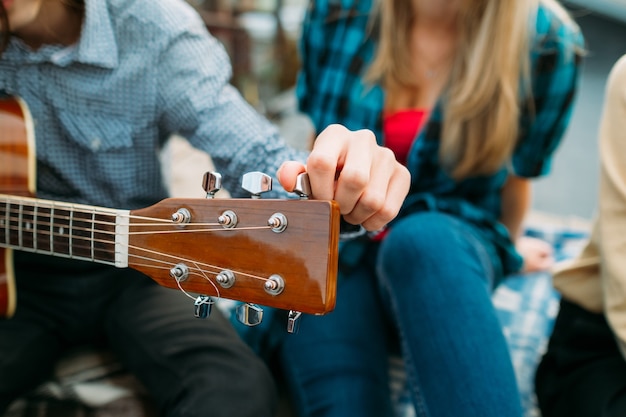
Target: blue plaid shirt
(336, 50)
(103, 108)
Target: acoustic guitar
(273, 252)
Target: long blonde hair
(482, 101)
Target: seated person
(583, 372)
(107, 83)
(447, 86)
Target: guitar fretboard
(64, 229)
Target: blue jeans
(427, 291)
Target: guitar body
(280, 253)
(17, 177)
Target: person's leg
(192, 367)
(27, 355)
(582, 373)
(337, 364)
(437, 273)
(57, 305)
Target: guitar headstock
(271, 252)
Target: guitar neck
(67, 230)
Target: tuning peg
(256, 183)
(202, 306)
(212, 183)
(249, 314)
(293, 321)
(303, 186)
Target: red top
(400, 129)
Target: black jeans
(191, 367)
(583, 373)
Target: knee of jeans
(421, 236)
(432, 245)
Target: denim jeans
(425, 290)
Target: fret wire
(106, 223)
(93, 233)
(35, 211)
(71, 231)
(52, 228)
(7, 226)
(85, 239)
(20, 219)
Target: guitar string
(158, 222)
(188, 260)
(210, 301)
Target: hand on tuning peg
(352, 169)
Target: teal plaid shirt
(336, 50)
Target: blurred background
(571, 189)
(261, 36)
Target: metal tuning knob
(293, 321)
(202, 306)
(249, 314)
(256, 183)
(303, 186)
(212, 183)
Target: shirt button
(95, 144)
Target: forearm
(516, 198)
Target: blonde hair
(482, 100)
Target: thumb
(288, 173)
